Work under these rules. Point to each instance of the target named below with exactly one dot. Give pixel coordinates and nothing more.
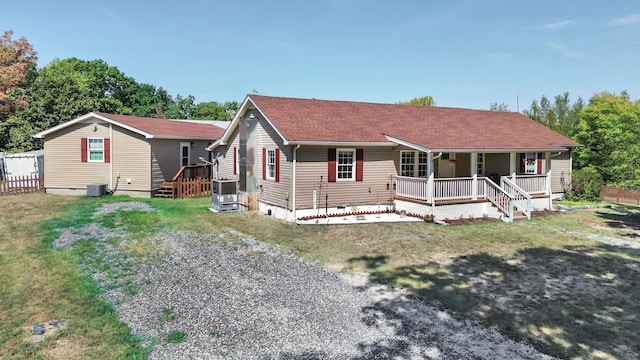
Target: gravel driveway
(242, 299)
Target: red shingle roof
(167, 128)
(310, 120)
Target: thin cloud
(555, 26)
(625, 21)
(564, 50)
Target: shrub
(586, 184)
(174, 337)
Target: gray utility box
(224, 195)
(96, 190)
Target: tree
(215, 111)
(68, 88)
(609, 130)
(420, 101)
(499, 107)
(559, 115)
(17, 68)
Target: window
(407, 163)
(96, 149)
(480, 164)
(346, 164)
(423, 164)
(271, 164)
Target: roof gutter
(341, 143)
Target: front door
(185, 153)
(447, 165)
(531, 163)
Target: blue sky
(464, 53)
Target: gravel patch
(609, 240)
(248, 300)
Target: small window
(271, 164)
(346, 163)
(445, 156)
(423, 164)
(96, 149)
(480, 164)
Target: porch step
(166, 191)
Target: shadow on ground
(576, 302)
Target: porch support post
(430, 177)
(513, 166)
(547, 169)
(474, 174)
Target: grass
(537, 281)
(175, 337)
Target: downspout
(293, 182)
(110, 156)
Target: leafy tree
(421, 101)
(609, 130)
(17, 69)
(499, 107)
(215, 111)
(68, 88)
(586, 184)
(559, 115)
(183, 108)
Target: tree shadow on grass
(576, 302)
(621, 217)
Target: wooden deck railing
(500, 198)
(193, 171)
(192, 181)
(412, 188)
(14, 185)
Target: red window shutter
(277, 165)
(540, 157)
(107, 150)
(235, 161)
(264, 163)
(359, 164)
(332, 165)
(83, 149)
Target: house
(132, 155)
(295, 158)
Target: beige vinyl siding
(165, 158)
(274, 193)
(130, 157)
(226, 158)
(379, 164)
(63, 166)
(560, 166)
(463, 165)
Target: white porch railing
(500, 198)
(521, 200)
(532, 184)
(412, 188)
(457, 189)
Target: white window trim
(353, 169)
(267, 163)
(89, 149)
(415, 163)
(188, 146)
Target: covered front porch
(505, 196)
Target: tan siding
(496, 164)
(379, 165)
(560, 166)
(130, 153)
(226, 158)
(63, 166)
(275, 193)
(463, 164)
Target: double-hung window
(480, 164)
(346, 163)
(95, 149)
(271, 164)
(407, 163)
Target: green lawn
(540, 281)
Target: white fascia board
(408, 144)
(497, 151)
(284, 140)
(341, 143)
(86, 117)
